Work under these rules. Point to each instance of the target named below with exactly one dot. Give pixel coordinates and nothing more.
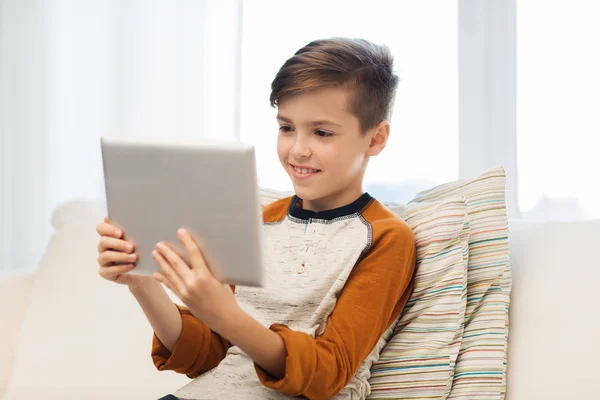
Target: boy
(339, 264)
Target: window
(423, 146)
(558, 101)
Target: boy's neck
(333, 201)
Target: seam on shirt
(323, 221)
(274, 223)
(369, 238)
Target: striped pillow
(418, 361)
(481, 365)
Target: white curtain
(72, 71)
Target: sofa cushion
(15, 289)
(555, 329)
(418, 361)
(481, 364)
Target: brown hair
(358, 64)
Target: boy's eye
(323, 134)
(285, 128)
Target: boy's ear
(381, 133)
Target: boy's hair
(357, 64)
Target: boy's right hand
(117, 256)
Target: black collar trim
(353, 208)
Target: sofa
(68, 334)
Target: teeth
(305, 170)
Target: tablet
(154, 186)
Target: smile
(303, 172)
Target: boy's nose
(300, 149)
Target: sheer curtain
(72, 71)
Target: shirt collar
(355, 207)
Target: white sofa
(67, 334)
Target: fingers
(108, 257)
(176, 283)
(106, 229)
(162, 279)
(174, 259)
(112, 271)
(193, 250)
(109, 243)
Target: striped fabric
(418, 362)
(481, 365)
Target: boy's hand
(208, 299)
(117, 256)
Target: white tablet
(155, 186)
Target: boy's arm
(198, 349)
(160, 311)
(191, 348)
(180, 342)
(372, 299)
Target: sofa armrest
(15, 289)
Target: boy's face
(321, 148)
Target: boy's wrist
(137, 288)
(231, 322)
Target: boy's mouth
(303, 172)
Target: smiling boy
(339, 265)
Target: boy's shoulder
(277, 210)
(386, 222)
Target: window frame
(487, 91)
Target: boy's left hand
(209, 300)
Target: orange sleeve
(372, 299)
(198, 349)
